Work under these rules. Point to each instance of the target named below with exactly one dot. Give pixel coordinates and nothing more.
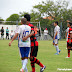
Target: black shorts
(34, 50)
(69, 46)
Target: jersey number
(25, 33)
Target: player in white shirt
(56, 37)
(24, 46)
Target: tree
(13, 17)
(1, 20)
(58, 11)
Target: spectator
(36, 31)
(7, 33)
(11, 34)
(2, 33)
(45, 34)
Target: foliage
(13, 17)
(1, 20)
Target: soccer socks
(57, 48)
(33, 66)
(37, 62)
(24, 62)
(68, 53)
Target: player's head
(68, 24)
(23, 21)
(27, 16)
(55, 23)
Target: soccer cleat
(59, 51)
(56, 54)
(21, 70)
(42, 69)
(67, 57)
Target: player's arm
(70, 37)
(55, 35)
(25, 38)
(16, 35)
(66, 35)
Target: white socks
(24, 63)
(57, 48)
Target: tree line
(52, 11)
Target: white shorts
(55, 41)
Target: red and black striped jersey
(33, 38)
(70, 32)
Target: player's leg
(24, 57)
(56, 46)
(35, 60)
(68, 48)
(31, 59)
(8, 35)
(26, 53)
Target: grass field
(10, 60)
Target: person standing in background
(7, 33)
(11, 34)
(2, 33)
(45, 34)
(36, 31)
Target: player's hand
(9, 43)
(54, 38)
(25, 38)
(70, 41)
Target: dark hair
(27, 16)
(24, 20)
(70, 23)
(56, 22)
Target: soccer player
(56, 37)
(66, 35)
(24, 46)
(34, 46)
(69, 41)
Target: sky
(8, 7)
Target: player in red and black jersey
(34, 46)
(69, 42)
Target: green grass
(10, 60)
